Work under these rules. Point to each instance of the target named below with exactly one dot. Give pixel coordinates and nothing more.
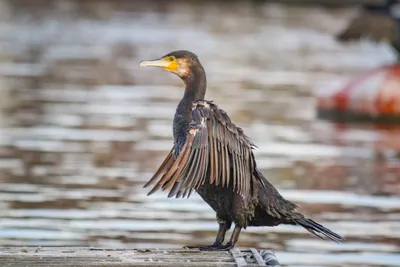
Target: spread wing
(216, 151)
(373, 25)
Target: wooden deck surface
(331, 2)
(78, 256)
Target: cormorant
(379, 22)
(214, 157)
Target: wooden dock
(78, 256)
(332, 2)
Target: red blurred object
(373, 96)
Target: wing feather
(165, 166)
(234, 172)
(216, 151)
(211, 152)
(222, 157)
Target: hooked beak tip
(143, 64)
(161, 63)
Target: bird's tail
(317, 229)
(280, 210)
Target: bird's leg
(224, 226)
(234, 238)
(231, 243)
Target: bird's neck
(195, 89)
(196, 84)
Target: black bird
(213, 156)
(379, 22)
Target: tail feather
(280, 210)
(318, 230)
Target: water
(83, 127)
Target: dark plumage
(377, 22)
(214, 157)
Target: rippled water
(83, 127)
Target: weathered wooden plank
(77, 256)
(111, 257)
(331, 2)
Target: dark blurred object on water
(377, 22)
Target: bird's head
(183, 63)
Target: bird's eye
(171, 58)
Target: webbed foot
(215, 246)
(228, 246)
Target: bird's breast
(180, 125)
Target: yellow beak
(162, 63)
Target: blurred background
(83, 128)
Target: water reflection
(83, 127)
